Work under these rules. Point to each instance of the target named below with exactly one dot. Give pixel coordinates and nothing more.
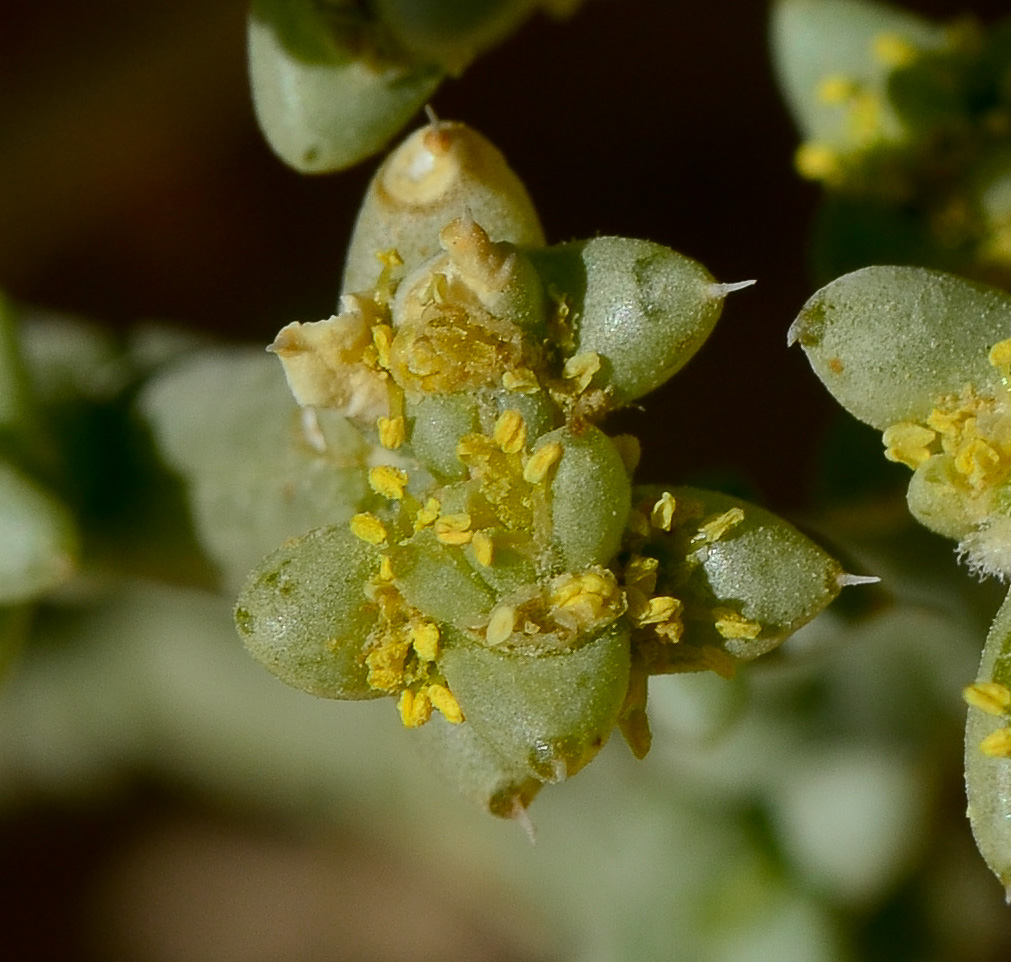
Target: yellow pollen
(382, 339)
(670, 630)
(453, 529)
(510, 432)
(520, 379)
(659, 609)
(835, 89)
(415, 708)
(484, 548)
(816, 161)
(997, 744)
(443, 699)
(908, 443)
(369, 528)
(386, 665)
(385, 569)
(388, 481)
(425, 639)
(1000, 357)
(580, 369)
(977, 461)
(989, 696)
(733, 626)
(893, 50)
(427, 514)
(501, 625)
(392, 432)
(541, 462)
(662, 515)
(719, 526)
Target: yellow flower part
(662, 515)
(369, 528)
(835, 89)
(997, 744)
(392, 432)
(541, 462)
(580, 369)
(1000, 357)
(908, 443)
(893, 50)
(522, 380)
(484, 548)
(817, 161)
(501, 625)
(661, 608)
(386, 663)
(978, 462)
(388, 481)
(989, 696)
(510, 432)
(454, 529)
(443, 699)
(415, 708)
(712, 531)
(584, 600)
(425, 639)
(427, 514)
(734, 626)
(382, 340)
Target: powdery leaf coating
(591, 496)
(987, 778)
(302, 613)
(439, 173)
(642, 307)
(38, 536)
(257, 469)
(815, 40)
(547, 715)
(322, 105)
(888, 341)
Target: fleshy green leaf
(888, 341)
(303, 614)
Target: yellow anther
(579, 600)
(640, 573)
(501, 625)
(453, 528)
(427, 514)
(734, 626)
(541, 462)
(816, 161)
(989, 696)
(415, 708)
(473, 448)
(908, 443)
(1000, 357)
(390, 258)
(385, 569)
(580, 369)
(386, 665)
(714, 530)
(630, 450)
(893, 50)
(997, 744)
(382, 340)
(977, 461)
(659, 609)
(662, 515)
(835, 89)
(369, 528)
(484, 548)
(443, 699)
(392, 432)
(520, 379)
(670, 630)
(388, 481)
(510, 432)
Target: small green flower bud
(303, 613)
(440, 420)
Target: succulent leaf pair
(504, 580)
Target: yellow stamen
(388, 481)
(484, 548)
(997, 744)
(908, 443)
(1000, 357)
(454, 529)
(714, 530)
(520, 379)
(734, 626)
(660, 609)
(443, 699)
(415, 708)
(815, 161)
(977, 461)
(425, 639)
(501, 625)
(369, 528)
(580, 369)
(382, 339)
(385, 569)
(541, 462)
(989, 696)
(893, 50)
(835, 89)
(427, 514)
(392, 432)
(510, 432)
(662, 515)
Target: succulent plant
(505, 580)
